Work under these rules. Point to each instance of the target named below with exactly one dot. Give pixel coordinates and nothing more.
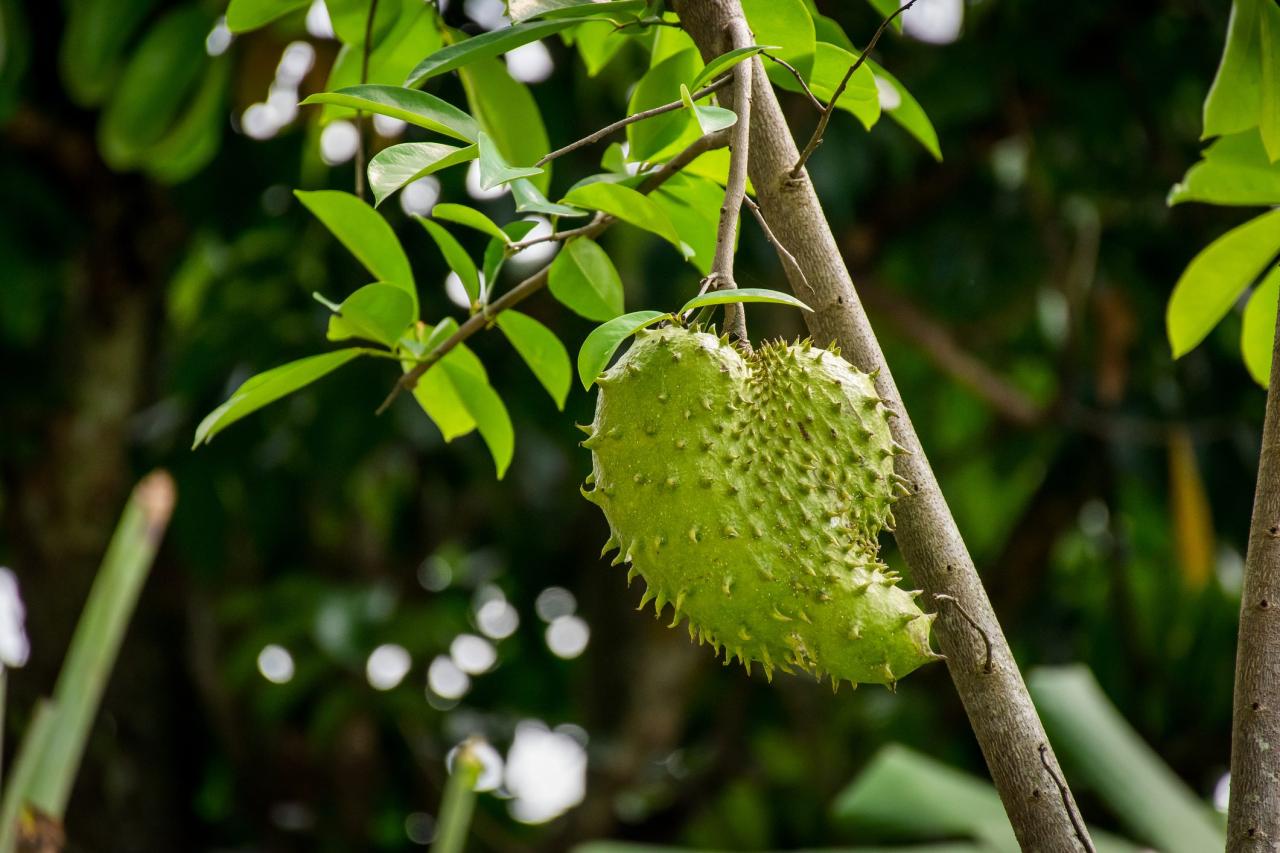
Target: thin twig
(735, 189)
(816, 139)
(1065, 793)
(555, 236)
(986, 641)
(361, 122)
(813, 99)
(537, 281)
(788, 259)
(714, 86)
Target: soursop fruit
(748, 492)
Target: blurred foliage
(1019, 287)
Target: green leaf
(484, 46)
(1232, 170)
(396, 166)
(377, 312)
(496, 171)
(709, 119)
(524, 10)
(1269, 85)
(195, 138)
(1216, 277)
(860, 97)
(692, 203)
(94, 46)
(456, 257)
(584, 280)
(506, 110)
(469, 217)
(725, 61)
(266, 388)
(409, 105)
(465, 373)
(495, 254)
(905, 109)
(350, 20)
(631, 206)
(365, 234)
(655, 137)
(541, 350)
(1257, 336)
(743, 294)
(435, 393)
(245, 15)
(603, 342)
(1235, 97)
(785, 23)
(529, 200)
(598, 42)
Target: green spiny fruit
(748, 493)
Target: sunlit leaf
(377, 312)
(397, 166)
(266, 388)
(654, 138)
(744, 294)
(1269, 84)
(1216, 277)
(456, 257)
(365, 234)
(599, 347)
(523, 10)
(830, 63)
(541, 350)
(692, 203)
(495, 170)
(456, 394)
(529, 200)
(409, 105)
(1258, 333)
(1232, 170)
(507, 112)
(598, 42)
(483, 46)
(709, 119)
(469, 217)
(900, 106)
(630, 206)
(785, 23)
(245, 15)
(1235, 96)
(584, 280)
(725, 61)
(435, 393)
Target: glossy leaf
(456, 257)
(434, 391)
(507, 112)
(1235, 97)
(529, 200)
(725, 61)
(541, 350)
(483, 46)
(1216, 277)
(785, 23)
(709, 119)
(365, 234)
(266, 388)
(524, 10)
(630, 206)
(584, 280)
(1257, 335)
(899, 105)
(692, 203)
(377, 312)
(245, 15)
(860, 97)
(743, 294)
(598, 349)
(469, 217)
(1232, 170)
(409, 105)
(396, 166)
(495, 170)
(456, 393)
(1269, 84)
(654, 138)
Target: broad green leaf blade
(1216, 277)
(1236, 94)
(584, 280)
(654, 138)
(365, 234)
(1269, 94)
(409, 105)
(99, 633)
(599, 347)
(506, 111)
(860, 98)
(469, 217)
(541, 350)
(195, 137)
(709, 119)
(529, 200)
(692, 203)
(266, 388)
(484, 46)
(785, 23)
(631, 206)
(1100, 749)
(524, 10)
(1257, 336)
(456, 257)
(94, 45)
(744, 294)
(725, 61)
(495, 170)
(900, 106)
(598, 42)
(1232, 170)
(377, 312)
(350, 19)
(245, 15)
(483, 405)
(397, 166)
(435, 393)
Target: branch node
(987, 665)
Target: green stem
(459, 801)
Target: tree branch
(1253, 816)
(735, 189)
(794, 273)
(608, 129)
(816, 139)
(361, 121)
(999, 708)
(813, 99)
(537, 281)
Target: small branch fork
(986, 641)
(531, 285)
(816, 139)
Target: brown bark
(1253, 821)
(1005, 722)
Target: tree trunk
(1013, 741)
(1253, 822)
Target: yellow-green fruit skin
(748, 493)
